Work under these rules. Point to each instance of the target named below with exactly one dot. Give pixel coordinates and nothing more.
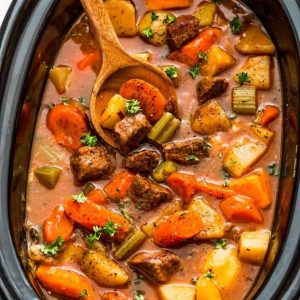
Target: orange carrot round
(89, 60)
(57, 225)
(152, 101)
(65, 283)
(97, 196)
(270, 113)
(67, 123)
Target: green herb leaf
(51, 105)
(194, 280)
(88, 139)
(53, 248)
(83, 294)
(203, 55)
(110, 228)
(148, 32)
(139, 278)
(172, 72)
(273, 169)
(169, 19)
(225, 176)
(133, 107)
(124, 212)
(91, 238)
(138, 295)
(194, 71)
(235, 25)
(192, 158)
(81, 100)
(65, 100)
(209, 274)
(154, 16)
(80, 198)
(220, 244)
(243, 77)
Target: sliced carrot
(64, 283)
(241, 209)
(97, 196)
(57, 225)
(214, 190)
(89, 214)
(256, 186)
(178, 227)
(116, 189)
(89, 60)
(269, 114)
(184, 185)
(68, 123)
(152, 101)
(113, 296)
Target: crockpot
(31, 35)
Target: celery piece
(168, 132)
(164, 169)
(88, 188)
(244, 100)
(47, 176)
(159, 126)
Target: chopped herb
(88, 139)
(154, 16)
(148, 32)
(225, 176)
(133, 107)
(51, 105)
(231, 115)
(172, 72)
(110, 228)
(226, 183)
(273, 169)
(169, 19)
(81, 100)
(124, 212)
(220, 244)
(192, 158)
(216, 1)
(243, 77)
(209, 274)
(203, 55)
(138, 295)
(194, 280)
(65, 100)
(139, 278)
(235, 25)
(80, 198)
(91, 238)
(194, 71)
(83, 294)
(53, 248)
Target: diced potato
(265, 134)
(123, 16)
(213, 222)
(143, 56)
(242, 155)
(224, 265)
(244, 100)
(259, 70)
(254, 245)
(206, 12)
(167, 4)
(172, 72)
(217, 62)
(210, 118)
(255, 42)
(154, 31)
(207, 290)
(113, 112)
(59, 76)
(177, 292)
(71, 254)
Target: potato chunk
(177, 292)
(122, 15)
(263, 133)
(210, 118)
(167, 4)
(143, 56)
(259, 70)
(207, 290)
(255, 42)
(254, 245)
(206, 12)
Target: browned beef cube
(130, 131)
(209, 88)
(185, 153)
(157, 266)
(141, 162)
(89, 163)
(147, 194)
(182, 30)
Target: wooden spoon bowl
(118, 67)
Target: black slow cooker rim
(27, 17)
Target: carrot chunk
(241, 209)
(270, 113)
(89, 60)
(178, 227)
(97, 196)
(152, 101)
(67, 123)
(117, 187)
(214, 190)
(57, 225)
(89, 214)
(65, 283)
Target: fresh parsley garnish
(192, 158)
(235, 25)
(154, 16)
(133, 107)
(124, 212)
(172, 72)
(243, 77)
(53, 248)
(88, 139)
(169, 19)
(209, 274)
(273, 169)
(51, 105)
(83, 294)
(65, 100)
(225, 176)
(203, 55)
(81, 100)
(80, 198)
(110, 228)
(194, 71)
(148, 32)
(138, 279)
(194, 280)
(91, 238)
(220, 244)
(138, 295)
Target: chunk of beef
(182, 30)
(89, 163)
(185, 153)
(130, 131)
(209, 88)
(141, 162)
(157, 266)
(147, 194)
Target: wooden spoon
(118, 67)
